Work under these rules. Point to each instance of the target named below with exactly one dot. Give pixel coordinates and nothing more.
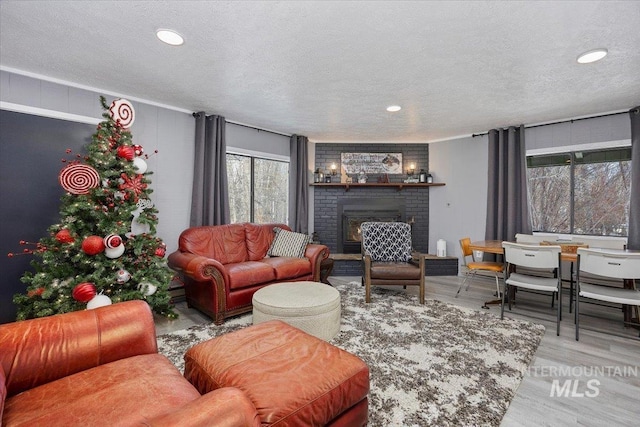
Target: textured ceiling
(329, 69)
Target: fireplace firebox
(353, 213)
(351, 220)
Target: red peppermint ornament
(126, 152)
(122, 112)
(84, 292)
(93, 245)
(112, 241)
(64, 236)
(78, 178)
(160, 252)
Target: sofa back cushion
(38, 351)
(224, 243)
(259, 238)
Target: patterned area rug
(432, 364)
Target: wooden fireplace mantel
(398, 185)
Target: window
(580, 192)
(258, 189)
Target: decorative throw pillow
(288, 243)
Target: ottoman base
(311, 306)
(291, 377)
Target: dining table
(568, 254)
(495, 247)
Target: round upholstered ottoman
(311, 306)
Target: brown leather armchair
(222, 266)
(101, 367)
(388, 259)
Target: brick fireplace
(330, 203)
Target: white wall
(459, 209)
(170, 131)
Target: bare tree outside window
(602, 197)
(271, 191)
(549, 184)
(258, 189)
(239, 178)
(596, 204)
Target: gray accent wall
(169, 131)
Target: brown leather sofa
(223, 266)
(101, 368)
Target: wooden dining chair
(535, 259)
(611, 264)
(474, 266)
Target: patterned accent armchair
(388, 259)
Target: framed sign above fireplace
(371, 163)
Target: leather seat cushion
(125, 392)
(395, 271)
(249, 273)
(288, 267)
(292, 378)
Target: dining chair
(607, 263)
(533, 258)
(388, 258)
(531, 239)
(474, 266)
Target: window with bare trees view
(258, 189)
(582, 192)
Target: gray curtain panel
(210, 197)
(634, 206)
(298, 184)
(507, 200)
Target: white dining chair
(535, 258)
(608, 263)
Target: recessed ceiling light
(170, 37)
(592, 56)
(394, 108)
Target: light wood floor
(610, 362)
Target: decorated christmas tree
(105, 249)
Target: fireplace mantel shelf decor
(398, 185)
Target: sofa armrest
(38, 351)
(197, 267)
(224, 407)
(316, 253)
